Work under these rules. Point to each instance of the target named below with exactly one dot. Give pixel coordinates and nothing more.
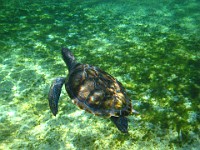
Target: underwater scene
(151, 47)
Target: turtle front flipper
(121, 123)
(54, 94)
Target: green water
(152, 47)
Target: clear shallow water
(151, 47)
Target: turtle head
(69, 58)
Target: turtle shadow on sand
(93, 140)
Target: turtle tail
(69, 58)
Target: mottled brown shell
(97, 92)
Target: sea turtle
(93, 90)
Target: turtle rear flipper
(121, 123)
(54, 94)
